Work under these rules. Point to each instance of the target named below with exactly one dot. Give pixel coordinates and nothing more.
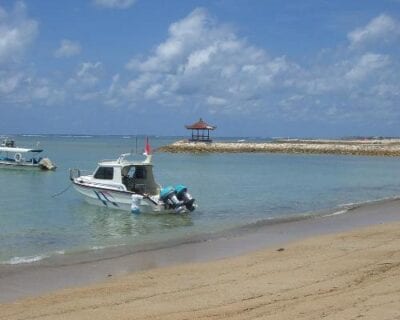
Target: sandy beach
(344, 266)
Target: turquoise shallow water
(231, 190)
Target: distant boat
(130, 185)
(12, 156)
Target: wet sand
(343, 266)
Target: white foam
(367, 202)
(98, 247)
(33, 135)
(106, 247)
(336, 213)
(21, 260)
(72, 136)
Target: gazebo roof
(200, 125)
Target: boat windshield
(139, 178)
(104, 173)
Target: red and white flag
(147, 148)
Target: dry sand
(353, 275)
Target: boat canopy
(134, 175)
(19, 150)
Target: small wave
(73, 136)
(21, 260)
(31, 259)
(33, 135)
(275, 220)
(336, 213)
(98, 247)
(106, 247)
(354, 205)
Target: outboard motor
(184, 196)
(136, 198)
(168, 195)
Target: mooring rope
(61, 192)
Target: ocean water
(231, 190)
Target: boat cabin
(128, 176)
(8, 143)
(20, 155)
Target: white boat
(130, 185)
(12, 156)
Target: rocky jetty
(370, 147)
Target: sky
(253, 68)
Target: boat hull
(119, 200)
(26, 165)
(20, 165)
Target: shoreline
(338, 275)
(385, 147)
(86, 255)
(22, 281)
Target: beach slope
(344, 276)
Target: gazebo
(199, 129)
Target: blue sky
(253, 68)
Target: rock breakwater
(384, 147)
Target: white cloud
(17, 31)
(26, 89)
(68, 48)
(204, 62)
(41, 92)
(9, 82)
(382, 28)
(87, 83)
(88, 74)
(200, 57)
(119, 4)
(112, 91)
(216, 101)
(133, 64)
(368, 63)
(19, 84)
(153, 91)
